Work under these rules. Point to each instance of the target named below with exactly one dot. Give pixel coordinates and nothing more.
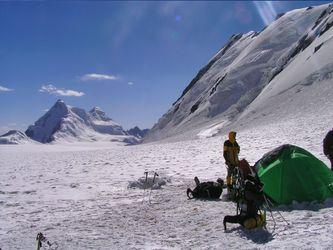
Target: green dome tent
(290, 173)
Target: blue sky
(132, 59)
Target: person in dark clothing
(231, 151)
(328, 147)
(206, 190)
(250, 200)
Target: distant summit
(99, 114)
(137, 132)
(65, 123)
(101, 123)
(14, 137)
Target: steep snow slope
(14, 137)
(69, 124)
(305, 86)
(236, 75)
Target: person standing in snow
(328, 147)
(230, 153)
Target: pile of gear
(206, 190)
(247, 192)
(286, 174)
(243, 187)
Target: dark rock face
(44, 128)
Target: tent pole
(270, 210)
(278, 213)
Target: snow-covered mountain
(137, 132)
(103, 124)
(14, 137)
(65, 123)
(283, 71)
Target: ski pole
(274, 222)
(41, 238)
(155, 174)
(145, 185)
(283, 218)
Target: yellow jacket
(231, 150)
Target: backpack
(258, 221)
(206, 190)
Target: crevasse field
(77, 195)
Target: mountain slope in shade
(235, 77)
(66, 123)
(137, 132)
(14, 137)
(103, 124)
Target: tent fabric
(290, 173)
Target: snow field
(77, 195)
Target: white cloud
(4, 89)
(98, 77)
(60, 92)
(130, 83)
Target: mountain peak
(60, 104)
(96, 109)
(14, 137)
(98, 114)
(60, 101)
(66, 122)
(12, 132)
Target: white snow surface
(78, 195)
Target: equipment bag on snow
(257, 222)
(206, 190)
